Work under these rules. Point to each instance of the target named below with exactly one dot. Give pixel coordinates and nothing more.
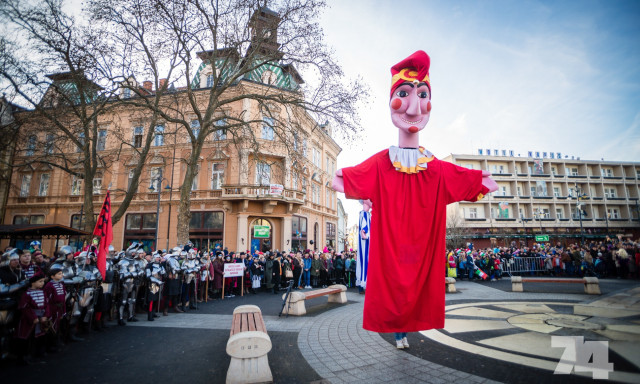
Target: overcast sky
(554, 76)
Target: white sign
(276, 189)
(583, 356)
(233, 269)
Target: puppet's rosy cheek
(429, 106)
(396, 104)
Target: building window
(194, 184)
(473, 213)
(80, 148)
(28, 219)
(294, 180)
(126, 93)
(76, 186)
(304, 150)
(267, 128)
(554, 171)
(97, 184)
(298, 233)
(263, 173)
(137, 136)
(31, 145)
(141, 228)
(221, 132)
(217, 176)
(503, 191)
(519, 191)
(43, 190)
(102, 140)
(610, 192)
(25, 185)
(613, 213)
(48, 146)
(331, 235)
(210, 80)
(158, 139)
(195, 129)
(155, 178)
(296, 140)
(315, 192)
(556, 191)
(559, 213)
(533, 191)
(206, 229)
(607, 172)
(130, 178)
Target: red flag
(104, 229)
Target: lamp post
(579, 197)
(524, 230)
(156, 187)
(606, 218)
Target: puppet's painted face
(410, 106)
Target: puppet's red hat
(413, 68)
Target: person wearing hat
(34, 318)
(56, 294)
(217, 266)
(11, 273)
(406, 184)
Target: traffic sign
(542, 237)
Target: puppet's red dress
(405, 285)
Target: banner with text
(233, 270)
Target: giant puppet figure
(409, 189)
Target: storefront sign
(261, 231)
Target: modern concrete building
(540, 196)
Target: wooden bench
(295, 303)
(591, 285)
(248, 346)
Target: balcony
(264, 193)
(616, 198)
(577, 176)
(475, 219)
(543, 197)
(540, 175)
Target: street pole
(579, 208)
(170, 187)
(159, 191)
(606, 217)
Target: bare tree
(456, 230)
(253, 50)
(62, 129)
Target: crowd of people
(46, 302)
(611, 258)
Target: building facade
(258, 194)
(566, 199)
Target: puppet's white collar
(409, 160)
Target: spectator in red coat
(34, 319)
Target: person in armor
(56, 295)
(34, 319)
(12, 284)
(105, 295)
(86, 263)
(129, 270)
(154, 273)
(190, 268)
(205, 264)
(173, 284)
(73, 285)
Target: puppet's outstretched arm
(338, 182)
(487, 181)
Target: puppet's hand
(338, 182)
(489, 182)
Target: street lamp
(155, 187)
(580, 196)
(524, 230)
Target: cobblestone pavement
(334, 344)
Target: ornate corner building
(273, 195)
(564, 199)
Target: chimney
(162, 83)
(147, 85)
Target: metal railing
(519, 265)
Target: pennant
(104, 229)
